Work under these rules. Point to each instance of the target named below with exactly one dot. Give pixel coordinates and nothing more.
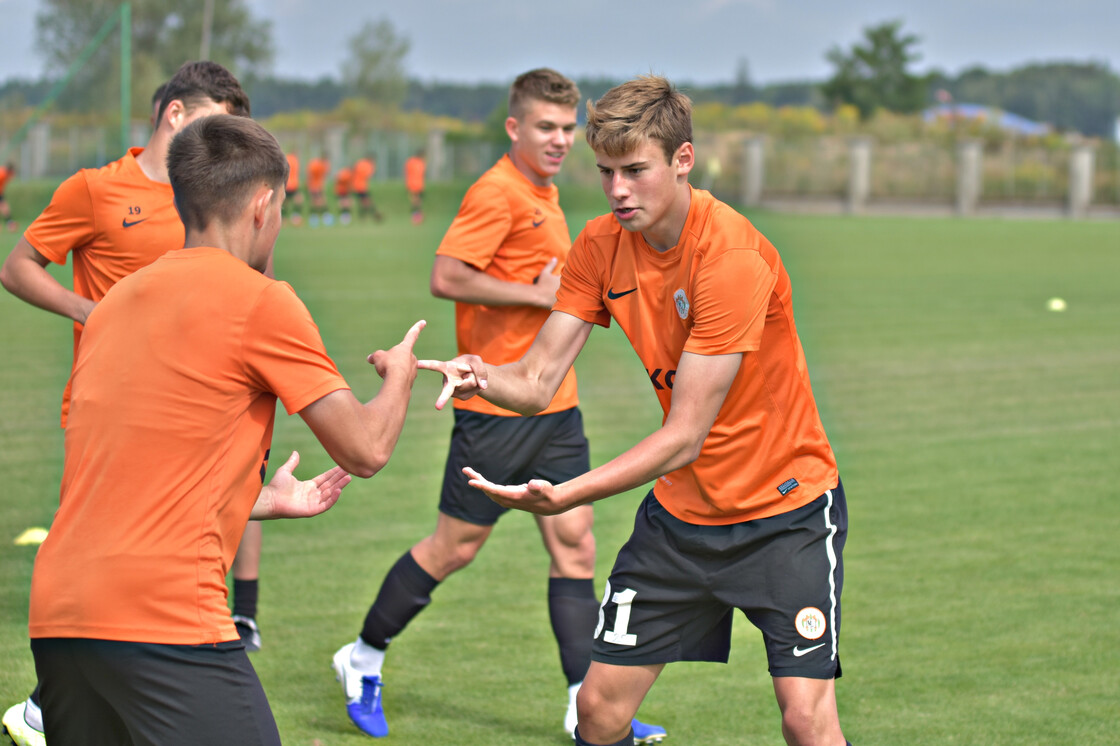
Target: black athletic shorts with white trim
(674, 587)
(105, 692)
(509, 450)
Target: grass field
(973, 427)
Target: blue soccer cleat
(644, 733)
(363, 695)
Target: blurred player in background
(293, 197)
(7, 173)
(747, 510)
(499, 262)
(343, 185)
(112, 221)
(364, 169)
(414, 169)
(174, 400)
(317, 170)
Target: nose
(618, 187)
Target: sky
(699, 41)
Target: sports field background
(977, 434)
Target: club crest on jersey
(681, 301)
(810, 623)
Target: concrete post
(334, 147)
(754, 171)
(859, 173)
(39, 147)
(435, 157)
(1081, 164)
(969, 167)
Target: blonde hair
(646, 108)
(542, 84)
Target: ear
(261, 202)
(512, 128)
(174, 114)
(684, 159)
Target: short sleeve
(731, 294)
(284, 353)
(67, 222)
(581, 285)
(479, 228)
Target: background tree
(873, 74)
(164, 36)
(375, 67)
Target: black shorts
(674, 587)
(107, 692)
(509, 450)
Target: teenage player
(497, 262)
(174, 398)
(414, 168)
(343, 184)
(7, 173)
(112, 221)
(293, 197)
(317, 170)
(364, 169)
(747, 510)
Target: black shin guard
(573, 611)
(404, 593)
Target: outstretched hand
(535, 496)
(287, 497)
(463, 377)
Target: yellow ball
(1056, 304)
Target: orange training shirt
(414, 169)
(342, 182)
(175, 393)
(5, 174)
(113, 220)
(509, 229)
(317, 170)
(292, 184)
(722, 289)
(363, 172)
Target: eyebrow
(635, 164)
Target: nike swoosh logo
(615, 296)
(126, 224)
(538, 223)
(799, 652)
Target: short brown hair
(627, 115)
(216, 163)
(196, 83)
(542, 84)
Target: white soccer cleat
(19, 730)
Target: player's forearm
(385, 419)
(519, 388)
(455, 280)
(660, 453)
(32, 283)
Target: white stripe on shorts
(831, 552)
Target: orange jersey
(414, 174)
(292, 184)
(722, 289)
(175, 393)
(364, 170)
(342, 182)
(5, 174)
(509, 229)
(113, 221)
(317, 170)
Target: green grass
(976, 433)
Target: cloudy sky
(687, 40)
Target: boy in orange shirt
(343, 181)
(174, 398)
(293, 197)
(110, 222)
(7, 173)
(747, 510)
(497, 261)
(317, 170)
(364, 169)
(414, 168)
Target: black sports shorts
(107, 692)
(674, 586)
(509, 450)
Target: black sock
(404, 593)
(245, 597)
(35, 696)
(627, 741)
(574, 612)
